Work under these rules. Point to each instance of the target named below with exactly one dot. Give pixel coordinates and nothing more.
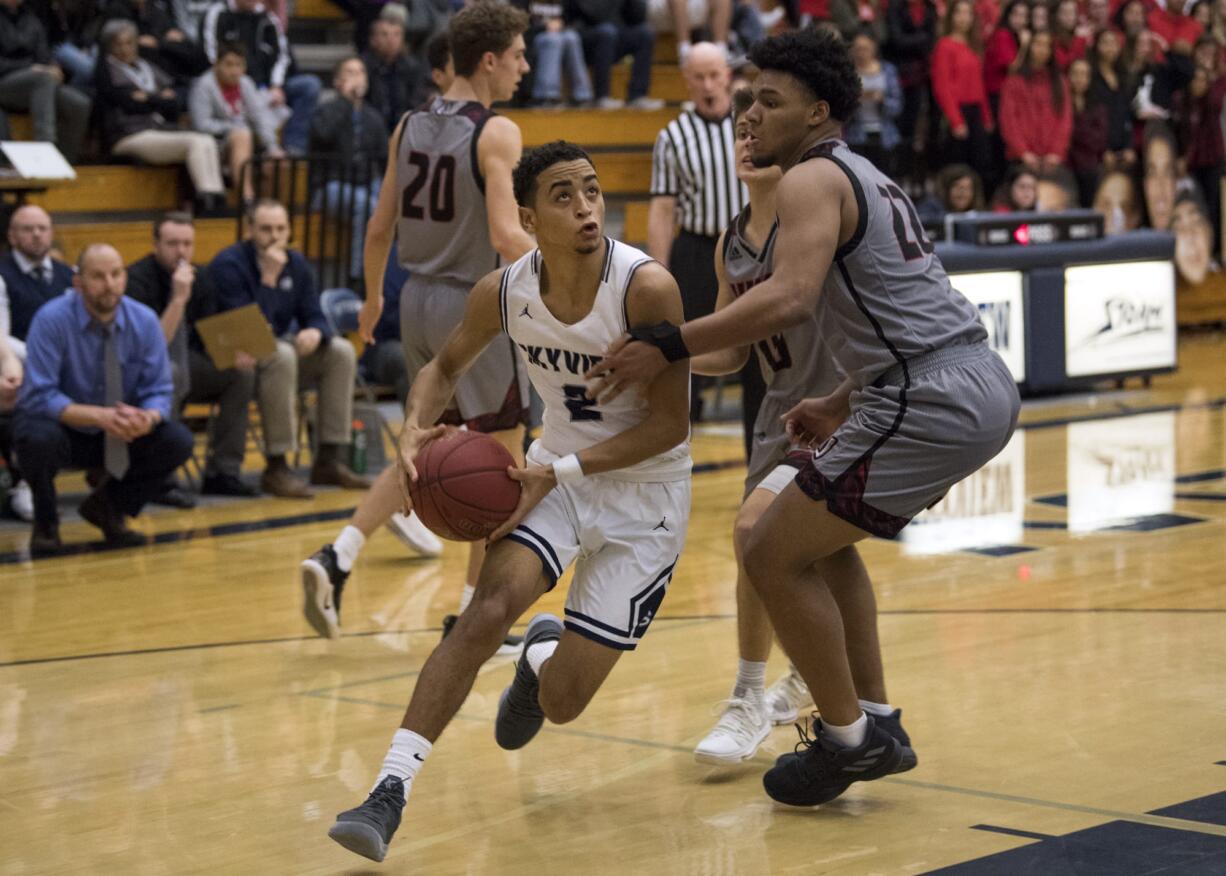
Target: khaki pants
(331, 370)
(198, 151)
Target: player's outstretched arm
(653, 297)
(734, 358)
(811, 205)
(380, 234)
(498, 151)
(435, 383)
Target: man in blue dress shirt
(96, 394)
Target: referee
(694, 196)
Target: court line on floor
(236, 643)
(767, 760)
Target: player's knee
(489, 615)
(562, 702)
(761, 559)
(741, 530)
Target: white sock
(347, 546)
(877, 710)
(539, 653)
(750, 680)
(467, 596)
(851, 736)
(404, 758)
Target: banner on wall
(983, 510)
(1120, 469)
(1119, 318)
(998, 295)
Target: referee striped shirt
(693, 162)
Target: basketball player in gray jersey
(447, 200)
(794, 364)
(924, 403)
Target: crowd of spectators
(1115, 105)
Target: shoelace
(791, 688)
(520, 705)
(737, 717)
(388, 794)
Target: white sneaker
(21, 500)
(786, 697)
(738, 733)
(610, 103)
(646, 104)
(414, 535)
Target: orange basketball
(463, 492)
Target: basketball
(463, 492)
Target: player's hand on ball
(535, 482)
(815, 419)
(412, 440)
(368, 317)
(625, 363)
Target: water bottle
(358, 454)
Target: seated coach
(96, 395)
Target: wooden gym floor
(1055, 637)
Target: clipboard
(243, 328)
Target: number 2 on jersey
(911, 249)
(580, 406)
(441, 176)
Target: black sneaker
(322, 585)
(226, 485)
(892, 724)
(519, 714)
(510, 645)
(824, 769)
(368, 829)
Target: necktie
(40, 276)
(115, 453)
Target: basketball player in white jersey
(924, 404)
(447, 200)
(607, 487)
(794, 364)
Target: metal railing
(329, 198)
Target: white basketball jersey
(556, 355)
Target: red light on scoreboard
(1022, 234)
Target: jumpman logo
(661, 525)
(525, 312)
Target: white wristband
(568, 470)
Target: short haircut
(262, 204)
(538, 160)
(742, 100)
(438, 50)
(484, 26)
(820, 61)
(336, 70)
(87, 251)
(172, 217)
(232, 48)
(114, 29)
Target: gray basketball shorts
(771, 448)
(492, 395)
(910, 438)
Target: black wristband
(665, 337)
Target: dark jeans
(975, 149)
(233, 390)
(606, 44)
(45, 446)
(883, 159)
(692, 262)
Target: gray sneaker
(610, 103)
(519, 713)
(646, 104)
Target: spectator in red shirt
(1036, 115)
(1098, 15)
(987, 13)
(912, 25)
(1018, 193)
(957, 86)
(1003, 53)
(1071, 35)
(1200, 136)
(1090, 125)
(1040, 17)
(1175, 28)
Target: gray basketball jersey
(795, 364)
(443, 231)
(887, 297)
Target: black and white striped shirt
(693, 162)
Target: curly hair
(538, 160)
(482, 27)
(820, 61)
